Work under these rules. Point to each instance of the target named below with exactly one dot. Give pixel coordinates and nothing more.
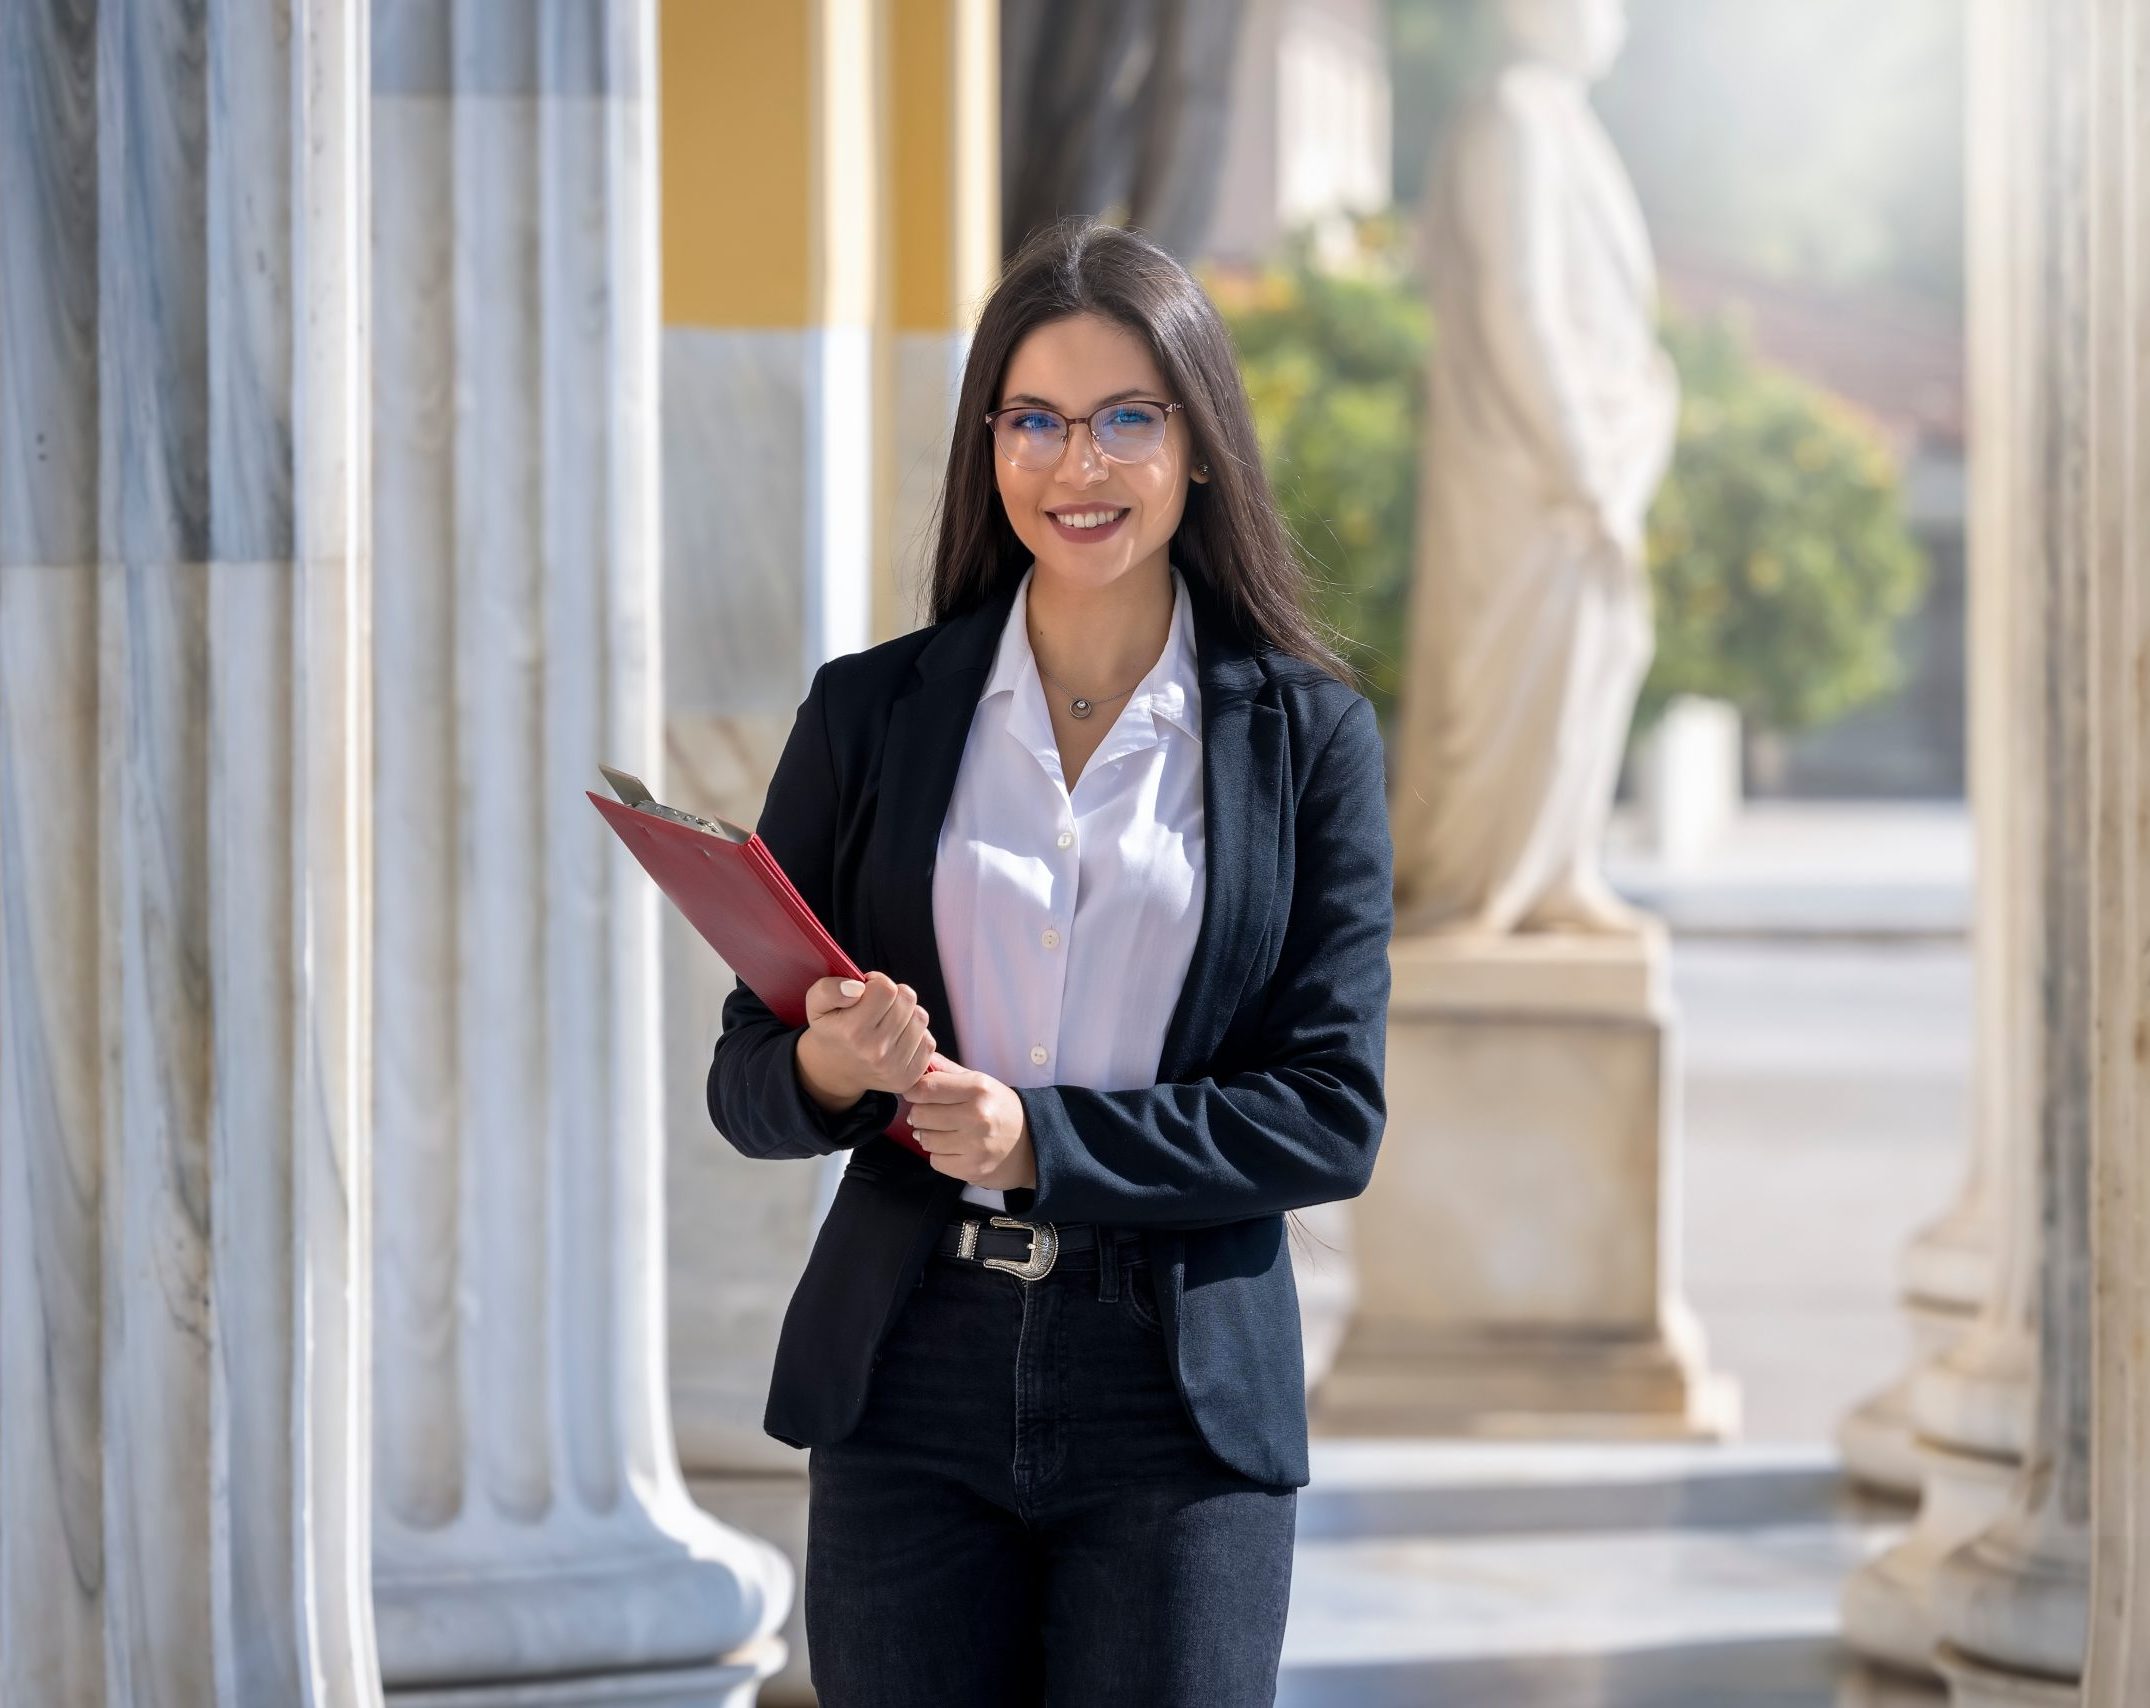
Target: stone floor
(1626, 1576)
(1825, 1072)
(1887, 869)
(1828, 1117)
(1824, 986)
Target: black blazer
(1269, 1086)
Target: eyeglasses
(1131, 431)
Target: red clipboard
(731, 889)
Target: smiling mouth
(1111, 518)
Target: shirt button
(1037, 1052)
(1049, 937)
(1066, 836)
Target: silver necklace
(1078, 705)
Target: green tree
(1334, 363)
(1779, 554)
(1780, 560)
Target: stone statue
(1550, 413)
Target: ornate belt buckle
(1044, 1247)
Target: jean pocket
(1139, 1289)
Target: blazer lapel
(1243, 793)
(1243, 800)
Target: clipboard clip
(635, 793)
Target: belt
(1029, 1249)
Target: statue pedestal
(1516, 1246)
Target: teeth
(1090, 518)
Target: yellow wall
(735, 127)
(792, 132)
(945, 118)
(923, 52)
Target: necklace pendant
(1079, 708)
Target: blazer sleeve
(755, 1097)
(1304, 1127)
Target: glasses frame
(1067, 430)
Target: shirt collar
(1171, 693)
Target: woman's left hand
(973, 1126)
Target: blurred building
(1309, 127)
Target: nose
(1092, 456)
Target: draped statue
(1550, 415)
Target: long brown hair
(1230, 534)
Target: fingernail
(851, 987)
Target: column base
(773, 1507)
(729, 1684)
(1972, 1684)
(1879, 1439)
(1948, 1267)
(588, 1603)
(1885, 1610)
(2018, 1594)
(1980, 1394)
(1402, 1379)
(1865, 1685)
(1888, 1612)
(1876, 1442)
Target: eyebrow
(1046, 403)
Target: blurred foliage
(1779, 555)
(1780, 558)
(1334, 360)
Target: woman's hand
(973, 1127)
(861, 1035)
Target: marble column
(531, 1520)
(1944, 1277)
(183, 835)
(1948, 1270)
(2011, 1604)
(1970, 1401)
(808, 402)
(938, 265)
(2118, 1670)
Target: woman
(1112, 833)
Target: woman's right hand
(861, 1036)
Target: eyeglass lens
(1125, 432)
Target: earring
(1201, 468)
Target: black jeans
(1025, 1514)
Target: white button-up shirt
(1066, 918)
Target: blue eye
(1133, 417)
(1032, 422)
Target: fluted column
(1971, 1404)
(809, 392)
(2012, 1603)
(1948, 1269)
(531, 1519)
(770, 408)
(183, 832)
(1944, 1277)
(2118, 1674)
